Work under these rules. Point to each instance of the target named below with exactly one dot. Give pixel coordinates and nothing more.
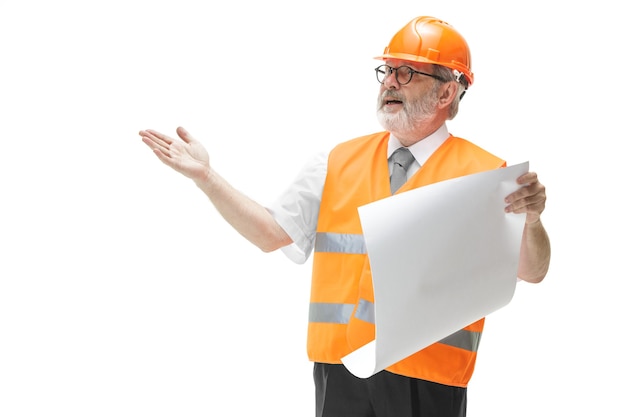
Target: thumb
(184, 135)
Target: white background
(122, 291)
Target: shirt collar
(423, 149)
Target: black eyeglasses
(403, 74)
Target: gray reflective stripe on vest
(340, 243)
(340, 314)
(330, 313)
(463, 339)
(365, 311)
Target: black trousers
(338, 393)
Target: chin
(392, 122)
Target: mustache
(392, 94)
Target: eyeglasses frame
(393, 70)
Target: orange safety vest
(342, 296)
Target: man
(425, 72)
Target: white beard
(413, 113)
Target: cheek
(379, 99)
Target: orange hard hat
(433, 41)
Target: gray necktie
(401, 159)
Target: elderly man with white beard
(425, 70)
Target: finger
(157, 148)
(155, 143)
(527, 178)
(527, 189)
(534, 202)
(532, 209)
(157, 140)
(516, 195)
(157, 136)
(184, 135)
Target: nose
(391, 81)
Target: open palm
(187, 156)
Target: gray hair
(448, 75)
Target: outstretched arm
(535, 250)
(189, 157)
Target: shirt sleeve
(297, 208)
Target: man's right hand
(186, 156)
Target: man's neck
(408, 138)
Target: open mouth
(391, 97)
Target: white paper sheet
(442, 257)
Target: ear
(447, 93)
